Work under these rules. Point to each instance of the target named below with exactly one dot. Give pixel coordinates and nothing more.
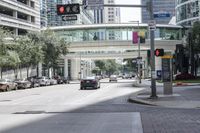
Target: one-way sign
(69, 18)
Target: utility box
(167, 74)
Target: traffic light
(142, 36)
(159, 52)
(68, 9)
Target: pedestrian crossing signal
(159, 52)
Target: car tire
(15, 87)
(81, 88)
(7, 88)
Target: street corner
(139, 98)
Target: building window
(32, 4)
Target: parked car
(7, 84)
(65, 80)
(23, 83)
(43, 81)
(89, 82)
(59, 79)
(34, 82)
(113, 78)
(127, 76)
(53, 81)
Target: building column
(66, 67)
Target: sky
(129, 14)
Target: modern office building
(108, 14)
(43, 13)
(85, 17)
(111, 14)
(161, 6)
(20, 16)
(187, 12)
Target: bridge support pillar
(66, 67)
(75, 69)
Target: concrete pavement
(184, 96)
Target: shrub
(184, 76)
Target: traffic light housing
(68, 9)
(159, 52)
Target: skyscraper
(166, 6)
(108, 14)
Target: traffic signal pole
(152, 59)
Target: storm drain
(5, 100)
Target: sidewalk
(185, 96)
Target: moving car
(113, 78)
(7, 84)
(90, 82)
(23, 83)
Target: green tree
(53, 48)
(96, 71)
(194, 46)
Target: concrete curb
(137, 101)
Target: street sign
(69, 18)
(93, 4)
(161, 15)
(152, 24)
(68, 9)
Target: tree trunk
(15, 73)
(1, 72)
(27, 68)
(20, 71)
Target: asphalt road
(67, 109)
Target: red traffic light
(61, 9)
(159, 52)
(68, 9)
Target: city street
(67, 109)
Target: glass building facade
(187, 11)
(166, 6)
